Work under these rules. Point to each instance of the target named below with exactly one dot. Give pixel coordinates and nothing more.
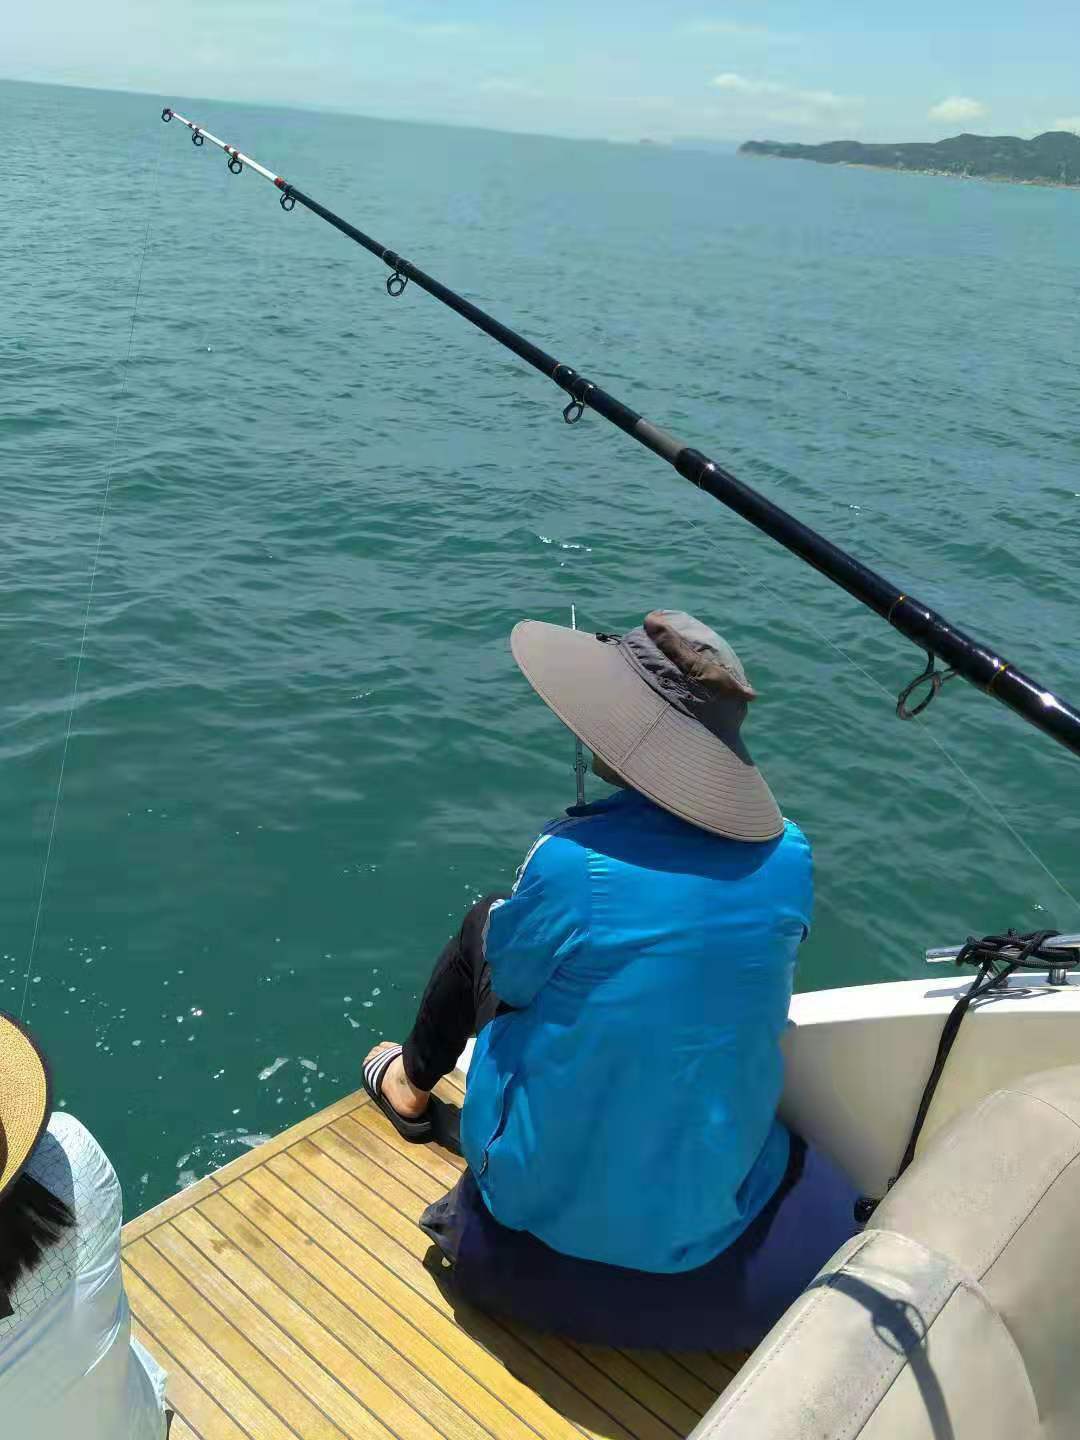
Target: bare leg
(407, 1099)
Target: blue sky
(772, 69)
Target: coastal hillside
(1050, 158)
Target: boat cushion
(890, 1340)
(998, 1190)
(975, 1248)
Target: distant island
(1050, 159)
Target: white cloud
(1070, 122)
(827, 99)
(501, 85)
(815, 100)
(731, 30)
(435, 29)
(957, 107)
(740, 84)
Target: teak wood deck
(288, 1297)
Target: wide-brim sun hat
(663, 706)
(25, 1099)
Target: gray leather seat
(956, 1314)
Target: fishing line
(107, 490)
(984, 799)
(213, 323)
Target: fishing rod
(963, 655)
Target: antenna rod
(579, 749)
(977, 662)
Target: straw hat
(663, 705)
(25, 1099)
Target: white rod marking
(228, 149)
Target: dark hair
(32, 1220)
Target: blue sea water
(300, 746)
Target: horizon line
(317, 109)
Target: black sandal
(417, 1132)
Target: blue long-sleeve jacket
(626, 1110)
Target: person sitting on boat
(629, 1181)
(69, 1365)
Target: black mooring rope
(993, 974)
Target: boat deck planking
(292, 1296)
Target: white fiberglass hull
(858, 1059)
